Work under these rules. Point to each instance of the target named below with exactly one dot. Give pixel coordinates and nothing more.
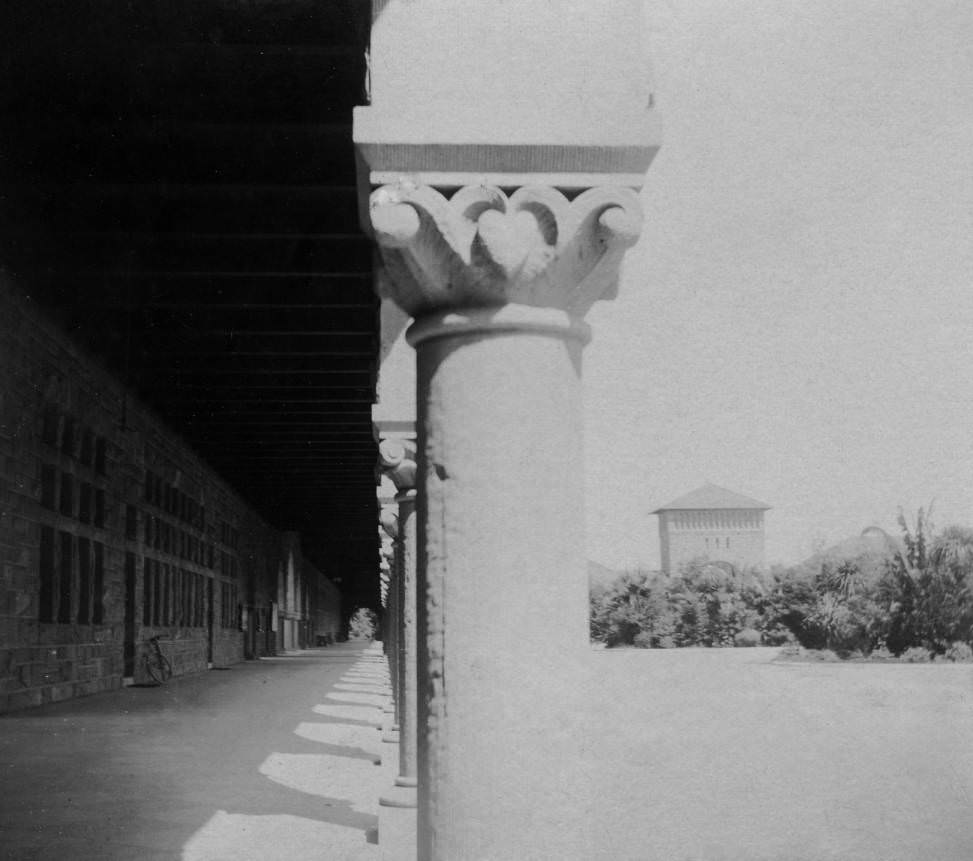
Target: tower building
(714, 524)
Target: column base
(390, 754)
(404, 793)
(397, 823)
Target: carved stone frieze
(483, 248)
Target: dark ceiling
(177, 187)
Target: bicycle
(155, 662)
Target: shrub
(922, 599)
(364, 623)
(916, 655)
(623, 610)
(928, 588)
(777, 634)
(882, 654)
(791, 650)
(960, 653)
(747, 637)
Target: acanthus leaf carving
(482, 248)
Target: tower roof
(711, 496)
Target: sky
(796, 321)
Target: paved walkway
(270, 759)
(692, 755)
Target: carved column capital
(383, 578)
(397, 458)
(482, 248)
(388, 519)
(386, 546)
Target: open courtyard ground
(693, 755)
(727, 754)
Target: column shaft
(407, 568)
(393, 611)
(503, 592)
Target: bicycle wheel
(166, 668)
(155, 666)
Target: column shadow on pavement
(144, 772)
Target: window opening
(67, 436)
(147, 592)
(48, 486)
(67, 572)
(156, 594)
(45, 599)
(131, 522)
(101, 456)
(100, 508)
(98, 615)
(87, 447)
(84, 503)
(67, 494)
(50, 426)
(84, 580)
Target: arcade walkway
(270, 759)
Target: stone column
(498, 286)
(397, 814)
(383, 577)
(388, 520)
(390, 723)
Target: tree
(928, 587)
(363, 624)
(702, 605)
